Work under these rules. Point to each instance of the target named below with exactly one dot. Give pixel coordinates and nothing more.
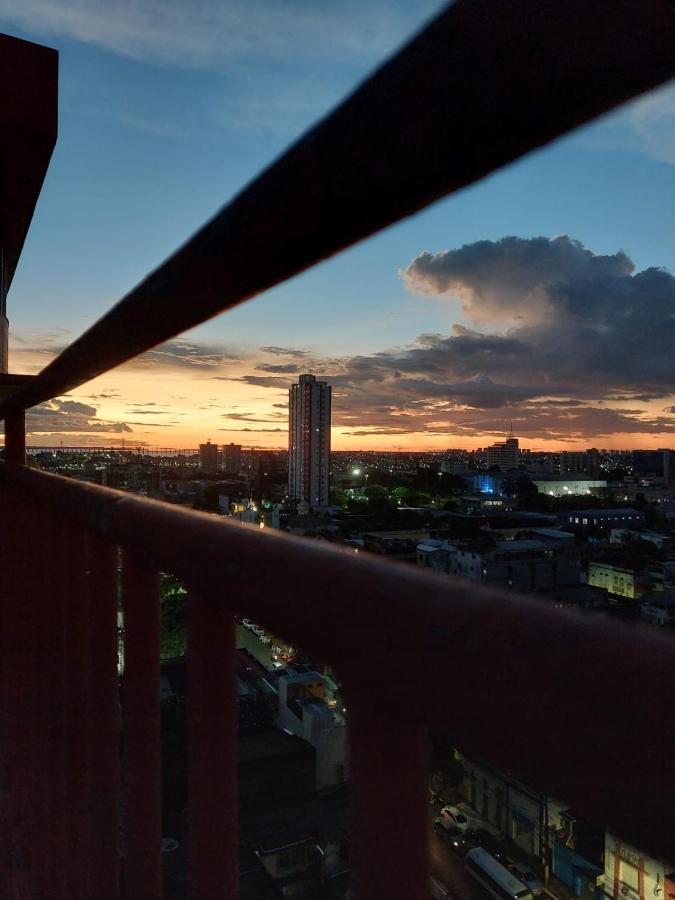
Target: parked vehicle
(524, 873)
(494, 877)
(264, 638)
(256, 629)
(247, 623)
(452, 817)
(454, 837)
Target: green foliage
(376, 492)
(173, 633)
(338, 497)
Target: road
(447, 866)
(249, 641)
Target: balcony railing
(586, 715)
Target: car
(523, 872)
(256, 629)
(264, 638)
(478, 837)
(454, 837)
(452, 817)
(247, 623)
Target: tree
(337, 497)
(525, 487)
(376, 492)
(173, 598)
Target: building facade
(208, 457)
(504, 455)
(309, 418)
(654, 464)
(232, 458)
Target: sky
(543, 296)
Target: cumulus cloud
(567, 343)
(511, 278)
(581, 320)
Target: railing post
(80, 839)
(15, 438)
(212, 752)
(389, 760)
(103, 787)
(142, 746)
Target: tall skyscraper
(309, 440)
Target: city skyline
(541, 296)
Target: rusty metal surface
(482, 85)
(544, 692)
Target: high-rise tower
(309, 440)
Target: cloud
(253, 417)
(265, 381)
(285, 368)
(286, 351)
(181, 354)
(582, 321)
(567, 343)
(511, 278)
(645, 126)
(257, 430)
(69, 416)
(213, 35)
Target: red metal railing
(534, 672)
(483, 84)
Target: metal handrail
(482, 85)
(541, 692)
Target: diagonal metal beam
(482, 85)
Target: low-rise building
(568, 487)
(520, 565)
(303, 711)
(603, 518)
(658, 608)
(618, 580)
(633, 875)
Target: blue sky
(167, 111)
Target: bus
(496, 880)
